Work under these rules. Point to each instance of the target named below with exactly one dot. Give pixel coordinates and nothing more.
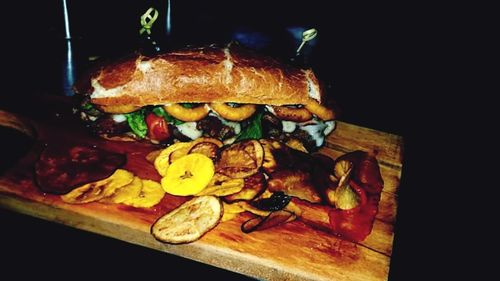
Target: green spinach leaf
(253, 130)
(137, 123)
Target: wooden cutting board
(293, 251)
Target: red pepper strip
(366, 170)
(355, 224)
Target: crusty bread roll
(203, 75)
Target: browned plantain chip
(189, 221)
(97, 190)
(254, 186)
(241, 160)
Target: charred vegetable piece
(221, 185)
(365, 170)
(276, 202)
(189, 221)
(241, 160)
(254, 186)
(209, 149)
(273, 219)
(63, 167)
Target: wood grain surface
(293, 251)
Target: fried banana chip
(150, 195)
(228, 216)
(188, 175)
(254, 185)
(129, 191)
(241, 160)
(164, 159)
(190, 221)
(233, 208)
(242, 206)
(221, 185)
(97, 190)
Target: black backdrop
(367, 53)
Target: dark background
(370, 57)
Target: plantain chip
(190, 221)
(228, 216)
(221, 185)
(150, 195)
(209, 149)
(126, 192)
(233, 208)
(162, 161)
(188, 175)
(241, 160)
(97, 190)
(254, 185)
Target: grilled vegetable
(189, 221)
(97, 190)
(151, 194)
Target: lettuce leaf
(137, 123)
(253, 130)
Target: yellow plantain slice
(221, 185)
(162, 161)
(189, 221)
(150, 195)
(245, 205)
(228, 216)
(97, 190)
(126, 192)
(242, 206)
(233, 208)
(188, 175)
(231, 211)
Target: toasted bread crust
(203, 75)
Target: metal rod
(66, 20)
(169, 23)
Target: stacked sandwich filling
(227, 93)
(263, 123)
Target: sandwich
(230, 93)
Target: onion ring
(292, 114)
(186, 114)
(118, 109)
(234, 113)
(317, 109)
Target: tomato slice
(158, 128)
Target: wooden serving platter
(293, 251)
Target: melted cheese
(118, 118)
(189, 130)
(288, 126)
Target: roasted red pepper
(356, 224)
(158, 128)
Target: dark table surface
(362, 53)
